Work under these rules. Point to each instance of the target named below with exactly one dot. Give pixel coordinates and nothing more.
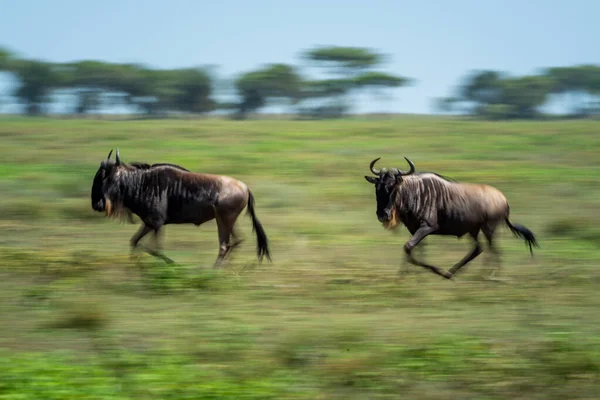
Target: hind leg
(225, 225)
(224, 236)
(469, 257)
(236, 239)
(488, 232)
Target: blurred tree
(565, 84)
(376, 82)
(138, 86)
(497, 111)
(161, 91)
(482, 88)
(90, 81)
(278, 83)
(494, 95)
(6, 59)
(327, 97)
(37, 79)
(344, 61)
(352, 67)
(6, 63)
(578, 85)
(191, 90)
(445, 104)
(525, 94)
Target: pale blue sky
(434, 41)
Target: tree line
(94, 84)
(344, 72)
(497, 95)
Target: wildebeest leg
(224, 235)
(405, 268)
(236, 240)
(422, 247)
(470, 256)
(488, 232)
(419, 235)
(158, 247)
(143, 231)
(225, 223)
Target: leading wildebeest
(162, 194)
(429, 204)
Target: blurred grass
(329, 318)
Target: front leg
(143, 231)
(157, 251)
(130, 217)
(418, 236)
(135, 239)
(406, 269)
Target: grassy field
(331, 317)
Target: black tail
(262, 243)
(524, 233)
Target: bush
(497, 111)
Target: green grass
(330, 318)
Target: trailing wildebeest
(429, 204)
(162, 194)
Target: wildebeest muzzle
(385, 216)
(99, 205)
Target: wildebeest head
(104, 176)
(386, 182)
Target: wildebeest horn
(412, 167)
(109, 154)
(117, 157)
(373, 170)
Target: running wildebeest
(429, 204)
(162, 194)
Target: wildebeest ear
(371, 179)
(398, 178)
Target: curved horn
(412, 167)
(117, 157)
(373, 170)
(109, 154)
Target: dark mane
(141, 165)
(445, 178)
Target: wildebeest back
(171, 195)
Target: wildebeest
(162, 194)
(429, 204)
